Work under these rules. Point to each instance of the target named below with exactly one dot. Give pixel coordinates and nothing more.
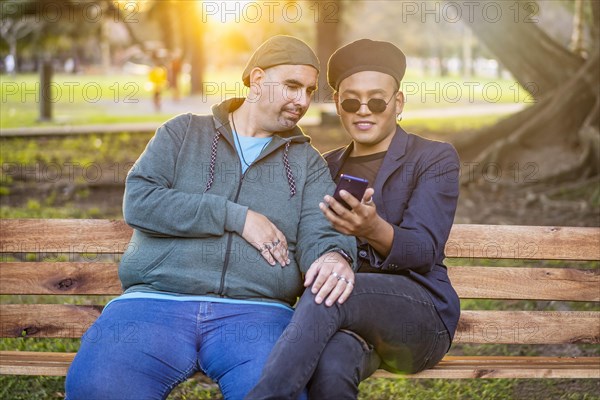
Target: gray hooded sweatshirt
(187, 199)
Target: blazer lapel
(391, 162)
(336, 160)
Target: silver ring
(336, 275)
(276, 242)
(266, 246)
(344, 279)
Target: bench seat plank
(466, 367)
(465, 241)
(507, 283)
(35, 363)
(57, 364)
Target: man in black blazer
(403, 311)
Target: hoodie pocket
(168, 249)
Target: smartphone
(353, 185)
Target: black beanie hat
(365, 55)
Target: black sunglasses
(375, 105)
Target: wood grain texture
(466, 240)
(464, 367)
(99, 278)
(528, 327)
(35, 363)
(88, 275)
(64, 235)
(57, 364)
(510, 327)
(59, 278)
(524, 242)
(521, 283)
(46, 320)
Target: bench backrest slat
(93, 248)
(528, 327)
(509, 283)
(475, 326)
(466, 241)
(46, 320)
(524, 242)
(522, 283)
(59, 278)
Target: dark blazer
(416, 190)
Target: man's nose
(363, 109)
(302, 99)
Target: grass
(50, 388)
(75, 99)
(73, 151)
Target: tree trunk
(104, 47)
(328, 27)
(576, 45)
(517, 41)
(192, 35)
(467, 54)
(197, 59)
(558, 137)
(13, 52)
(553, 140)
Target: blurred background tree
(550, 48)
(560, 132)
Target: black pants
(391, 312)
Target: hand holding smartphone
(353, 185)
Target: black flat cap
(365, 55)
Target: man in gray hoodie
(227, 232)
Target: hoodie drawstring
(288, 170)
(213, 160)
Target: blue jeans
(143, 348)
(393, 313)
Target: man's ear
(257, 77)
(399, 102)
(336, 100)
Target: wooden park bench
(91, 249)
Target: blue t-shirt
(249, 148)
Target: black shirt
(365, 167)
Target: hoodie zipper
(230, 234)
